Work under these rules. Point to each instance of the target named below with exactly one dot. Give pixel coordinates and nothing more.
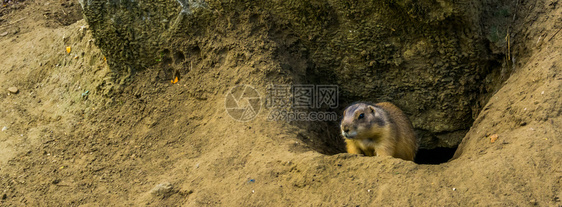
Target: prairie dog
(378, 130)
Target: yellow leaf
(175, 80)
(68, 49)
(493, 138)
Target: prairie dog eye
(361, 116)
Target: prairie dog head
(362, 121)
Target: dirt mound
(72, 137)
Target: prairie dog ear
(344, 112)
(372, 108)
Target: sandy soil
(64, 142)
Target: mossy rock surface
(428, 57)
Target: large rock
(428, 57)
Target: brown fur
(384, 130)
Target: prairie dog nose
(345, 129)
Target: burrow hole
(331, 143)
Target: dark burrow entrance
(325, 138)
(435, 156)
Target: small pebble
(162, 189)
(13, 90)
(454, 189)
(4, 128)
